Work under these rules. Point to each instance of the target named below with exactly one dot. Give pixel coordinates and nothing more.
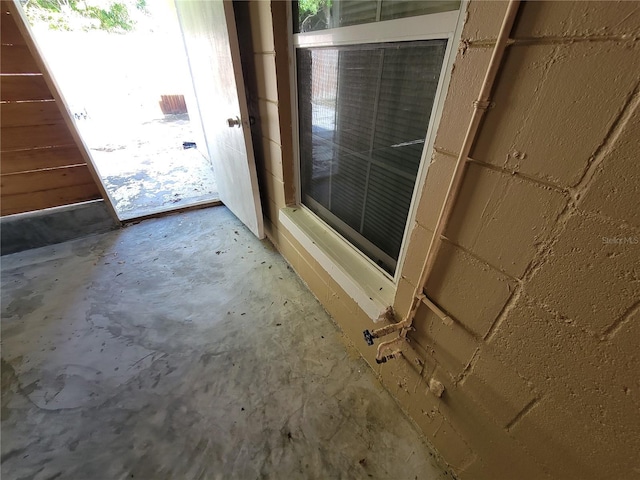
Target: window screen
(314, 15)
(364, 112)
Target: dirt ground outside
(113, 83)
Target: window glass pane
(317, 118)
(364, 112)
(410, 8)
(354, 12)
(387, 209)
(313, 15)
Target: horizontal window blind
(314, 15)
(364, 112)
(391, 9)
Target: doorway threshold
(162, 211)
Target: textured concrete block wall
(540, 267)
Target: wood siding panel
(24, 138)
(44, 162)
(8, 29)
(42, 180)
(40, 159)
(17, 59)
(24, 88)
(25, 114)
(28, 202)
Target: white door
(211, 42)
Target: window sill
(371, 289)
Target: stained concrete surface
(184, 348)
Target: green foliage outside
(111, 16)
(310, 9)
(116, 18)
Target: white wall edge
(308, 231)
(424, 27)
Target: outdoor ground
(147, 170)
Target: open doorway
(122, 68)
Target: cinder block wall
(540, 268)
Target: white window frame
(445, 25)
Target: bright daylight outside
(123, 71)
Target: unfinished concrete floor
(184, 348)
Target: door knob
(234, 122)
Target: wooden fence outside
(172, 104)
